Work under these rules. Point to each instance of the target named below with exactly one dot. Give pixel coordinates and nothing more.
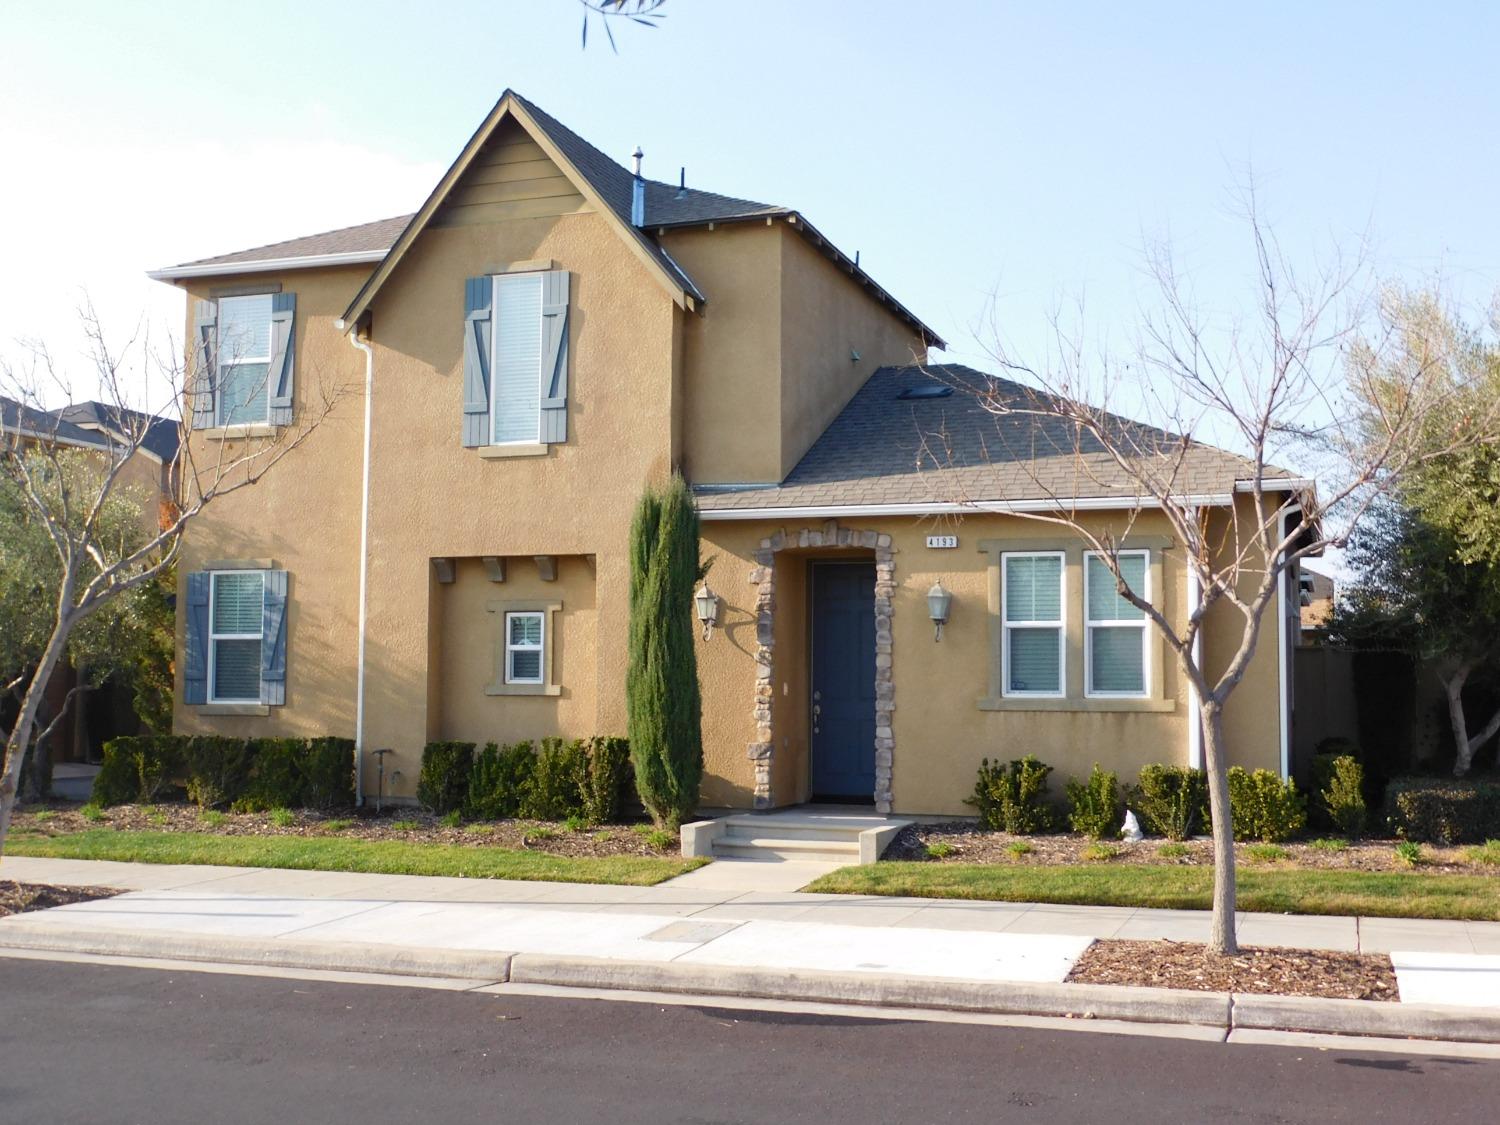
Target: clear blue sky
(962, 148)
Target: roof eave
(972, 507)
(267, 265)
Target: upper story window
(1116, 633)
(516, 361)
(515, 402)
(236, 626)
(244, 358)
(1032, 599)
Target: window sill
(233, 709)
(233, 433)
(499, 452)
(1084, 706)
(522, 689)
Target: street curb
(351, 957)
(1365, 1017)
(1239, 1011)
(1079, 1001)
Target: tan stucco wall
(767, 364)
(432, 498)
(303, 514)
(826, 317)
(469, 629)
(941, 732)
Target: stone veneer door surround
(763, 577)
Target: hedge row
(245, 773)
(587, 778)
(1444, 810)
(1172, 801)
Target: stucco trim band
(763, 577)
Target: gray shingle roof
(17, 418)
(884, 449)
(370, 238)
(161, 436)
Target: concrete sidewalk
(687, 922)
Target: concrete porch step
(777, 847)
(751, 828)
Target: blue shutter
(205, 336)
(283, 349)
(195, 640)
(555, 356)
(478, 297)
(273, 640)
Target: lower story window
(523, 647)
(1031, 601)
(1117, 630)
(236, 609)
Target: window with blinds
(236, 619)
(524, 634)
(244, 355)
(1031, 599)
(1115, 631)
(517, 365)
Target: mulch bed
(1283, 972)
(415, 827)
(972, 844)
(18, 898)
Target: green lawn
(384, 857)
(1403, 894)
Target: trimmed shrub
(499, 780)
(137, 768)
(443, 783)
(1340, 782)
(1094, 805)
(558, 780)
(275, 775)
(1172, 800)
(218, 769)
(328, 773)
(609, 778)
(1443, 810)
(1013, 797)
(1264, 807)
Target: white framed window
(516, 360)
(1033, 636)
(1116, 634)
(244, 360)
(236, 615)
(524, 633)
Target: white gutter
(267, 265)
(1276, 484)
(1001, 507)
(1195, 706)
(364, 568)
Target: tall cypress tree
(664, 708)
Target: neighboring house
(445, 556)
(1317, 594)
(105, 431)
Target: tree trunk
(1222, 938)
(1463, 749)
(20, 736)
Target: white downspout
(364, 568)
(1195, 708)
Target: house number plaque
(942, 541)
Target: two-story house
(495, 377)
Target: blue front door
(843, 682)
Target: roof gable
(594, 181)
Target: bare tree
(1313, 373)
(70, 490)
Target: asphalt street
(106, 1044)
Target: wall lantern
(938, 601)
(706, 602)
